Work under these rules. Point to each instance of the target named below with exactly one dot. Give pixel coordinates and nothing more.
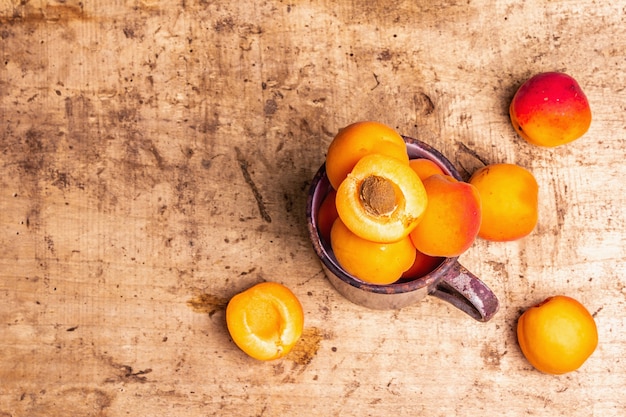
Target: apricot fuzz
(550, 109)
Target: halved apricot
(355, 141)
(373, 262)
(382, 199)
(265, 321)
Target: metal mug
(449, 281)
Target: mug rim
(321, 185)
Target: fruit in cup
(550, 109)
(452, 218)
(265, 321)
(423, 265)
(326, 215)
(373, 262)
(382, 199)
(424, 168)
(557, 335)
(355, 141)
(509, 197)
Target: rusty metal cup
(449, 281)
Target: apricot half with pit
(382, 199)
(550, 109)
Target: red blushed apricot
(423, 265)
(376, 263)
(509, 196)
(424, 168)
(326, 215)
(452, 218)
(265, 321)
(382, 199)
(550, 109)
(355, 141)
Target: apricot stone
(452, 218)
(550, 109)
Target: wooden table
(155, 158)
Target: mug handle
(467, 292)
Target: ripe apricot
(265, 321)
(509, 196)
(326, 215)
(452, 218)
(424, 168)
(382, 199)
(423, 265)
(550, 109)
(355, 141)
(373, 262)
(557, 335)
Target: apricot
(326, 215)
(424, 168)
(355, 141)
(509, 196)
(557, 335)
(423, 265)
(382, 199)
(265, 321)
(452, 218)
(372, 262)
(550, 109)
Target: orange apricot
(423, 265)
(509, 196)
(550, 109)
(424, 168)
(326, 215)
(265, 321)
(452, 218)
(355, 141)
(372, 262)
(557, 335)
(382, 199)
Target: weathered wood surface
(134, 133)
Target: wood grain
(155, 158)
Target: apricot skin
(509, 196)
(557, 335)
(424, 168)
(452, 218)
(327, 215)
(357, 140)
(550, 109)
(372, 262)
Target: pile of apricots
(389, 218)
